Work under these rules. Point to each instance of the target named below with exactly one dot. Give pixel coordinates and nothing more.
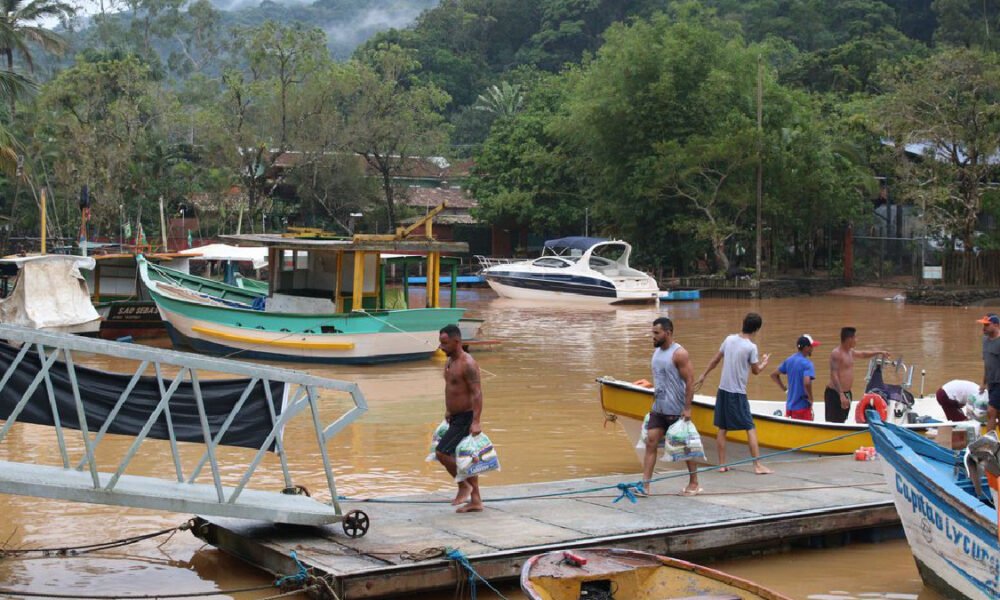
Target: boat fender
(874, 402)
(574, 559)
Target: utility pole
(760, 161)
(44, 224)
(163, 226)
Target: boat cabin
(314, 273)
(115, 277)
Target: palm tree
(502, 101)
(19, 30)
(12, 85)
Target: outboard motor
(899, 399)
(981, 457)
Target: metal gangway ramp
(45, 384)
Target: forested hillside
(640, 116)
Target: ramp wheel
(356, 523)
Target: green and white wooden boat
(247, 291)
(305, 314)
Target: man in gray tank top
(673, 378)
(991, 367)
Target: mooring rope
(88, 548)
(459, 557)
(301, 581)
(84, 596)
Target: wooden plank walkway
(738, 510)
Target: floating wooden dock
(805, 499)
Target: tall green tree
(257, 119)
(948, 107)
(390, 118)
(103, 124)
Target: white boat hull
(521, 293)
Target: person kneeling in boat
(801, 373)
(673, 391)
(959, 394)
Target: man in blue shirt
(800, 372)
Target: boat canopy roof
(575, 242)
(256, 255)
(402, 246)
(79, 262)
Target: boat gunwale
(848, 427)
(909, 461)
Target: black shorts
(834, 413)
(458, 428)
(661, 421)
(732, 411)
(994, 395)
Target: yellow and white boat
(628, 403)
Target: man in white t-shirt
(732, 409)
(955, 395)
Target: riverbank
(939, 296)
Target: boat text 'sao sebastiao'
(575, 269)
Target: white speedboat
(575, 268)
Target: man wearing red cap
(800, 372)
(991, 367)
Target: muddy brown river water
(543, 414)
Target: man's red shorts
(804, 414)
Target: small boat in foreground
(628, 404)
(605, 573)
(951, 529)
(575, 269)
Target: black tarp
(100, 390)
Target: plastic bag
(641, 444)
(435, 439)
(475, 455)
(683, 442)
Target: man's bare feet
(464, 494)
(471, 507)
(724, 469)
(761, 469)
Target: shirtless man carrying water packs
(463, 402)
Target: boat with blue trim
(950, 522)
(577, 269)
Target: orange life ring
(873, 401)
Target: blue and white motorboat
(949, 517)
(575, 268)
